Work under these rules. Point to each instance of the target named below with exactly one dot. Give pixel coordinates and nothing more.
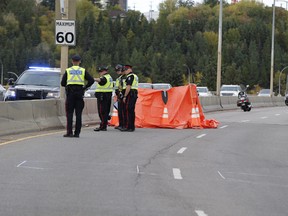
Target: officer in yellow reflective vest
(130, 98)
(74, 82)
(103, 94)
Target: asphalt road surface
(239, 169)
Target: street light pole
(219, 61)
(9, 72)
(272, 51)
(279, 79)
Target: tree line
(182, 41)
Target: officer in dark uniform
(130, 98)
(104, 96)
(74, 82)
(119, 87)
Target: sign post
(65, 31)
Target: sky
(146, 5)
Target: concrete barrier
(37, 115)
(16, 117)
(45, 114)
(210, 104)
(216, 103)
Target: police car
(35, 83)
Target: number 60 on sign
(65, 32)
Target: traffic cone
(195, 121)
(114, 118)
(165, 117)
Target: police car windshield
(39, 78)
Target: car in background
(230, 90)
(145, 85)
(90, 92)
(203, 91)
(161, 86)
(2, 92)
(264, 93)
(35, 83)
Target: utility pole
(65, 9)
(219, 62)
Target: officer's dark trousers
(121, 113)
(130, 111)
(104, 106)
(74, 101)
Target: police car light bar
(42, 68)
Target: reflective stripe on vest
(135, 81)
(120, 83)
(117, 82)
(108, 87)
(75, 75)
(123, 82)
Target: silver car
(203, 91)
(90, 93)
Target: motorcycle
(244, 102)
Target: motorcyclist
(242, 94)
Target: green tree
(186, 3)
(49, 4)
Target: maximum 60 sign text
(65, 32)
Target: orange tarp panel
(179, 107)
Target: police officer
(104, 96)
(130, 98)
(119, 86)
(74, 82)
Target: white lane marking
(224, 126)
(264, 117)
(138, 170)
(200, 213)
(181, 150)
(243, 121)
(21, 163)
(277, 114)
(200, 136)
(221, 175)
(28, 167)
(177, 173)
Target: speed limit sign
(65, 32)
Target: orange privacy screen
(178, 107)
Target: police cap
(118, 67)
(76, 58)
(126, 67)
(103, 68)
